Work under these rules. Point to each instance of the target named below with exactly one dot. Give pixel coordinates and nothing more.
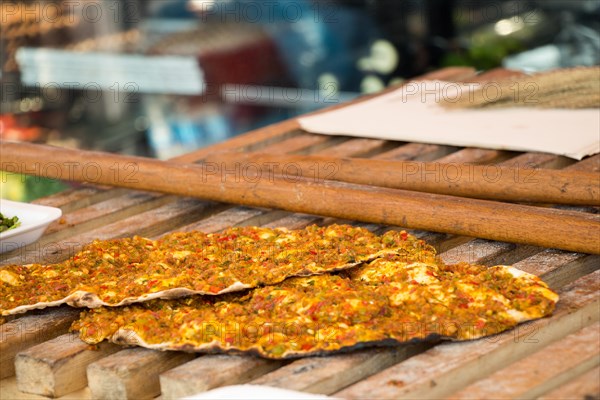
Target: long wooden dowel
(468, 217)
(520, 183)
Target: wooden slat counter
(553, 358)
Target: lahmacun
(393, 299)
(128, 270)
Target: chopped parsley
(7, 224)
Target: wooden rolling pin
(520, 184)
(469, 217)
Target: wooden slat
(538, 160)
(591, 163)
(74, 199)
(450, 366)
(224, 219)
(263, 219)
(476, 156)
(9, 390)
(333, 141)
(305, 143)
(417, 152)
(253, 140)
(360, 148)
(488, 252)
(58, 366)
(132, 373)
(29, 330)
(586, 386)
(442, 242)
(496, 252)
(544, 263)
(547, 369)
(345, 150)
(249, 215)
(327, 375)
(208, 372)
(295, 221)
(580, 265)
(102, 213)
(299, 143)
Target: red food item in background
(11, 130)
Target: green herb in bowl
(8, 223)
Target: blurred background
(160, 78)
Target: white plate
(34, 221)
(255, 392)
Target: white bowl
(34, 221)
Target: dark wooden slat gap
(591, 163)
(228, 217)
(332, 141)
(378, 148)
(254, 146)
(572, 271)
(360, 147)
(417, 152)
(475, 156)
(534, 160)
(297, 143)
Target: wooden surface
(553, 358)
(211, 371)
(132, 373)
(58, 366)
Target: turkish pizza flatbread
(391, 300)
(123, 271)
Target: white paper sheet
(413, 113)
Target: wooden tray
(557, 357)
